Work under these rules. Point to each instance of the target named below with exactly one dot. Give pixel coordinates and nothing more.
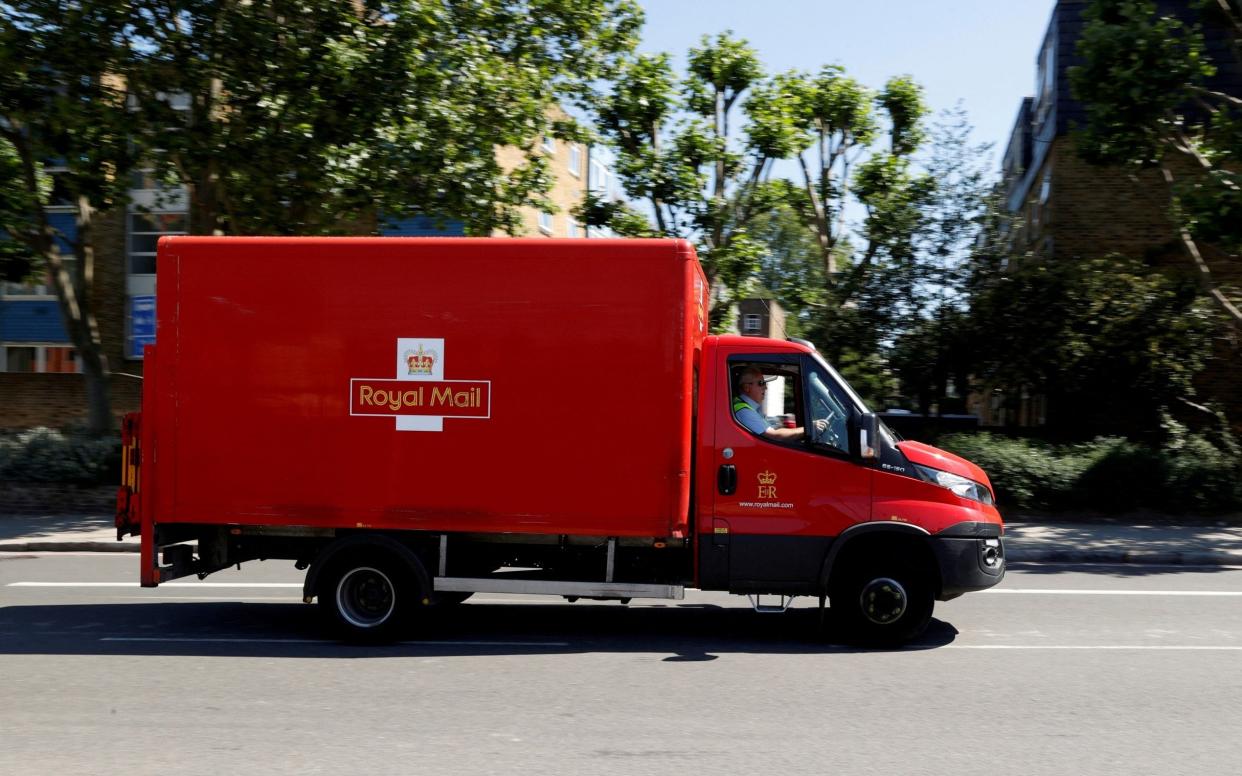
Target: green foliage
(902, 99)
(16, 258)
(306, 116)
(1110, 342)
(790, 266)
(727, 65)
(1138, 70)
(866, 372)
(63, 105)
(47, 455)
(1145, 83)
(1026, 475)
(1193, 474)
(616, 214)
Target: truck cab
(881, 526)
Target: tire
(882, 604)
(369, 597)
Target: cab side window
(766, 395)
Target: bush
(1204, 478)
(1192, 474)
(1026, 474)
(46, 455)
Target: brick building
(1066, 209)
(39, 384)
(761, 316)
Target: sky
(981, 52)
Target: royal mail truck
(413, 421)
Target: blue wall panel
(421, 226)
(34, 320)
(67, 225)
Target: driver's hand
(820, 425)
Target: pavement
(1025, 541)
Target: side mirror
(869, 436)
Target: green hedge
(1192, 474)
(46, 455)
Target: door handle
(726, 479)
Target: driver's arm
(793, 433)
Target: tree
(930, 354)
(702, 152)
(1144, 83)
(306, 116)
(675, 152)
(65, 139)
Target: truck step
(756, 602)
(549, 587)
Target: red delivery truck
(416, 420)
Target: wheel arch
(360, 542)
(864, 536)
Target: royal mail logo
(767, 485)
(420, 362)
(419, 397)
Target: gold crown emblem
(767, 478)
(420, 362)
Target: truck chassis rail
(541, 587)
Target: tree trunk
(83, 332)
(73, 295)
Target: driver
(751, 388)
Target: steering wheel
(829, 433)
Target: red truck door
(777, 503)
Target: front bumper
(971, 557)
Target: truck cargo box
(489, 385)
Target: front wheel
(882, 604)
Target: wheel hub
(365, 597)
(883, 601)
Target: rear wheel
(883, 603)
(369, 597)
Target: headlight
(961, 486)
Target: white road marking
(166, 584)
(196, 640)
(1069, 591)
(231, 598)
(1141, 647)
(24, 554)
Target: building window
(599, 177)
(545, 222)
(572, 228)
(575, 160)
(145, 230)
(39, 359)
(752, 324)
(1045, 82)
(549, 145)
(36, 286)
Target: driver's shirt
(748, 415)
